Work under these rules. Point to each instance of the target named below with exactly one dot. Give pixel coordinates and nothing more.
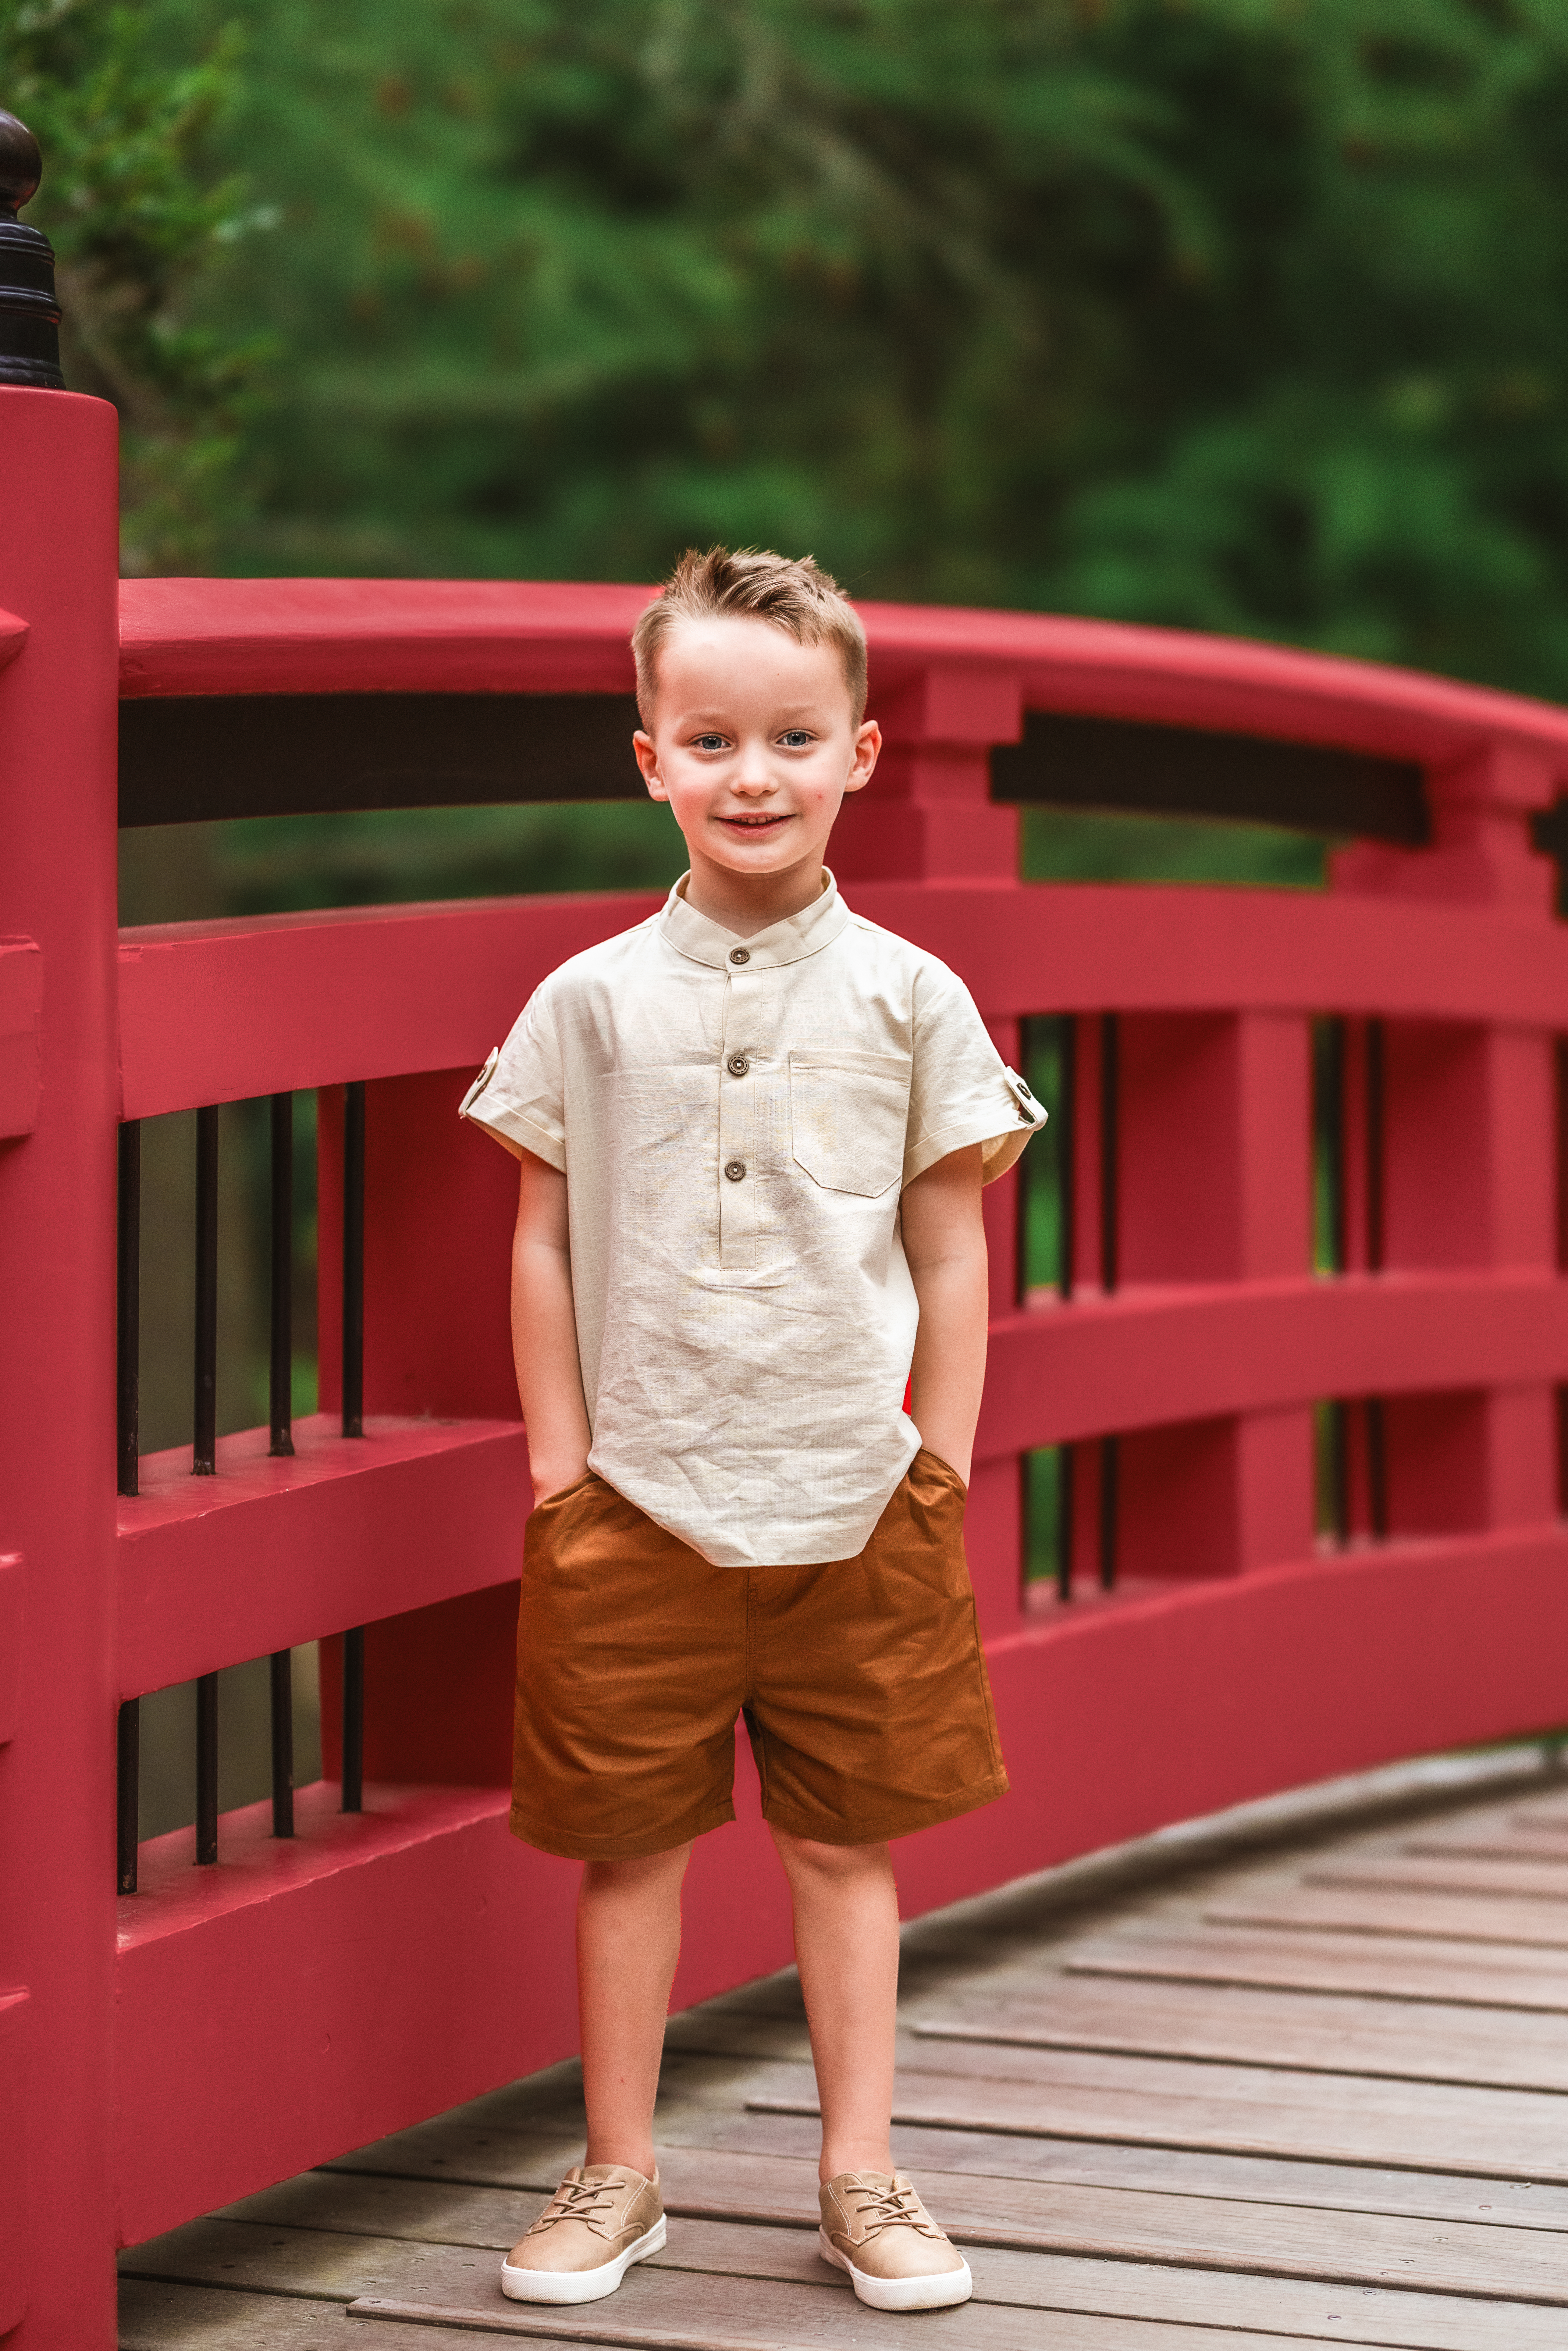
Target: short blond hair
(793, 592)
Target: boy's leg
(846, 1944)
(628, 1941)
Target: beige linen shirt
(736, 1120)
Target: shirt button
(738, 1065)
(740, 954)
(735, 1169)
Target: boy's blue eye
(710, 742)
(795, 738)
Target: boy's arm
(945, 1242)
(544, 1331)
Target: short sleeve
(519, 1096)
(961, 1090)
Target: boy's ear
(864, 756)
(647, 757)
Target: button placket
(736, 1129)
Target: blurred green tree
(1240, 314)
(142, 218)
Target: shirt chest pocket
(849, 1113)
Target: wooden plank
(1494, 1841)
(1492, 1975)
(1242, 2026)
(157, 2317)
(1529, 1881)
(704, 2191)
(1552, 1809)
(1368, 1910)
(734, 2033)
(713, 2286)
(450, 2151)
(1507, 2133)
(775, 2318)
(455, 2146)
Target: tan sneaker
(874, 2226)
(601, 2219)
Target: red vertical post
(57, 823)
(1215, 1127)
(1469, 1152)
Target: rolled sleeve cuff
(515, 1131)
(1001, 1146)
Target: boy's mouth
(754, 824)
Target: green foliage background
(1240, 314)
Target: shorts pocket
(848, 1117)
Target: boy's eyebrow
(786, 715)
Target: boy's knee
(647, 1871)
(831, 1861)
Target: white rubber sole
(940, 2290)
(581, 2285)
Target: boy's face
(754, 745)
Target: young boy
(753, 1133)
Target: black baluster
(207, 1768)
(1109, 1149)
(280, 1383)
(354, 1719)
(354, 1261)
(204, 1451)
(127, 1793)
(128, 1313)
(1067, 1152)
(281, 1674)
(1374, 1132)
(1066, 1500)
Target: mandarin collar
(701, 940)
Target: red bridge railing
(300, 1995)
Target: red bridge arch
(302, 1997)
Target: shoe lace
(579, 2199)
(892, 2207)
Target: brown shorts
(861, 1681)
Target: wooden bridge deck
(1316, 2093)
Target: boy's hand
(945, 1242)
(544, 1332)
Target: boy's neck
(745, 904)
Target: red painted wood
(1120, 1716)
(21, 1007)
(217, 1011)
(270, 1553)
(375, 636)
(1157, 1355)
(301, 636)
(12, 1632)
(58, 563)
(15, 2020)
(439, 1685)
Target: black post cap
(30, 314)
